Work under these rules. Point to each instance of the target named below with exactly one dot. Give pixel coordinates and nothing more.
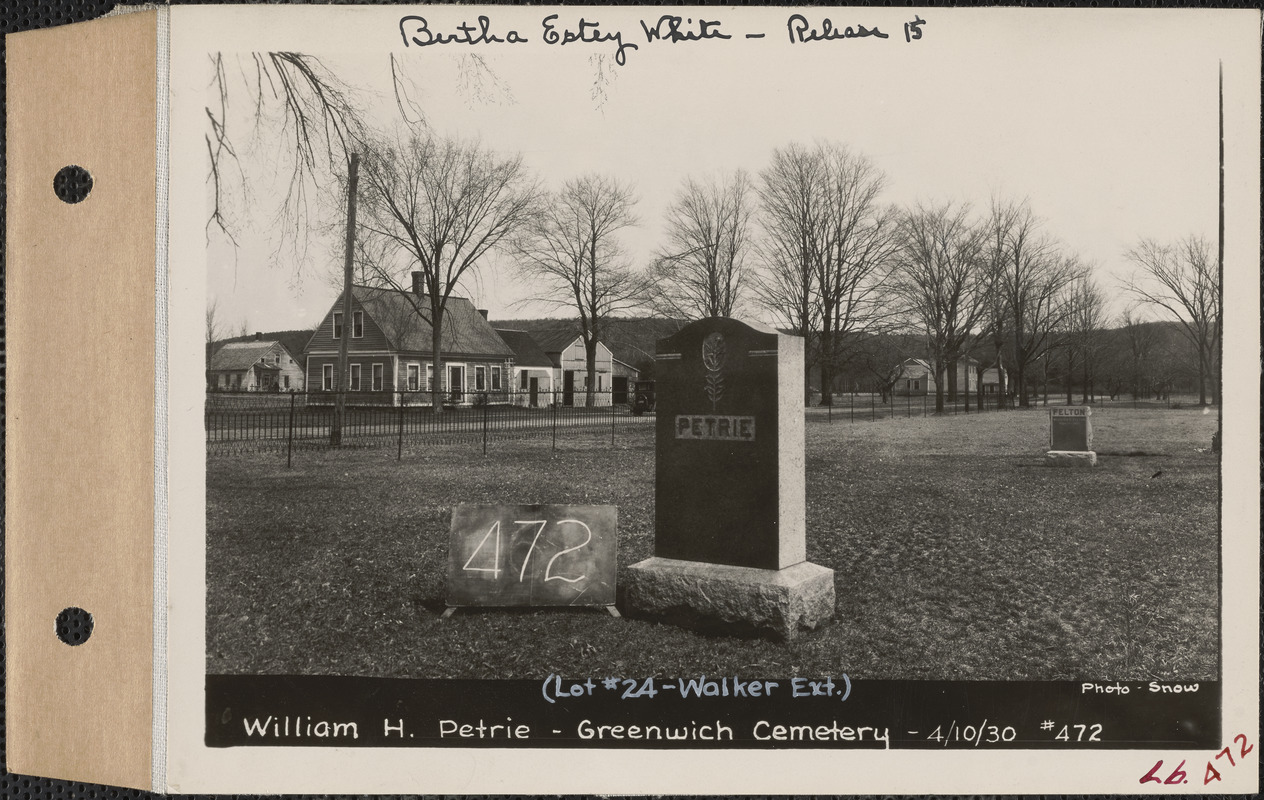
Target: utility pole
(343, 372)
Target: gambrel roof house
(389, 349)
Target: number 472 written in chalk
(495, 567)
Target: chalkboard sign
(534, 555)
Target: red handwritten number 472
(1212, 774)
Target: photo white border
(191, 767)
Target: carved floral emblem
(713, 352)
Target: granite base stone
(725, 599)
(1070, 458)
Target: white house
(531, 372)
(565, 349)
(917, 377)
(257, 365)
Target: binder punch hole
(72, 184)
(74, 626)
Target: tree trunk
(590, 363)
(827, 361)
(952, 381)
(939, 387)
(1070, 371)
(1020, 365)
(1202, 377)
(436, 385)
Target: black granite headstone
(1071, 429)
(717, 481)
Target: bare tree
(1030, 278)
(701, 269)
(883, 357)
(1182, 279)
(857, 241)
(444, 204)
(571, 248)
(297, 115)
(1142, 341)
(825, 250)
(942, 282)
(299, 98)
(789, 192)
(1085, 320)
(214, 328)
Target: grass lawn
(957, 555)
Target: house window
(917, 385)
(495, 379)
(223, 381)
(337, 324)
(354, 383)
(414, 377)
(286, 378)
(480, 378)
(429, 377)
(327, 377)
(523, 377)
(456, 382)
(377, 377)
(237, 381)
(357, 324)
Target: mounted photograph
(633, 356)
(438, 279)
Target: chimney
(483, 311)
(418, 289)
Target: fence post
(554, 404)
(486, 403)
(289, 451)
(872, 408)
(399, 446)
(612, 419)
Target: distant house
(531, 374)
(917, 377)
(389, 351)
(565, 349)
(621, 379)
(258, 365)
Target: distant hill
(632, 340)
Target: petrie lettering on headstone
(706, 426)
(1071, 429)
(729, 478)
(532, 555)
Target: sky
(1106, 122)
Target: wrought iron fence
(868, 407)
(239, 422)
(255, 421)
